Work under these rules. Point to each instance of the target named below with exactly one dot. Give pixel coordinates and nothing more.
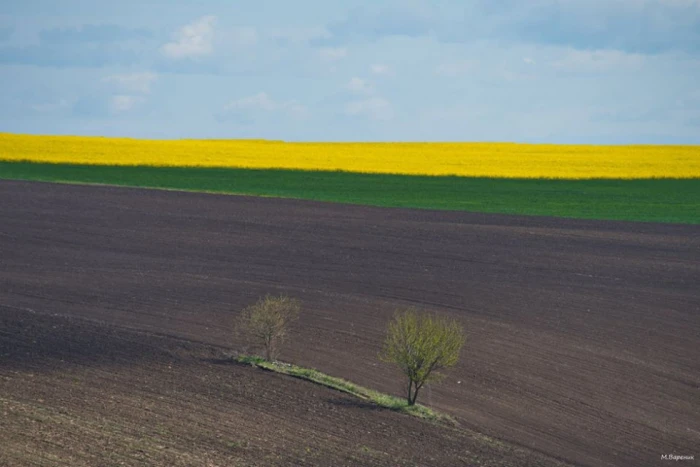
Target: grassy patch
(382, 400)
(653, 200)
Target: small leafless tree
(268, 321)
(421, 345)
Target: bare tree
(268, 321)
(421, 345)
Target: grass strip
(650, 200)
(380, 399)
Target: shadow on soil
(357, 404)
(34, 340)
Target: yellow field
(465, 159)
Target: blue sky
(560, 71)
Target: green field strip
(652, 200)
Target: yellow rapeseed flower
(508, 160)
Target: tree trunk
(268, 350)
(415, 395)
(413, 389)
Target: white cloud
(376, 108)
(456, 68)
(131, 89)
(331, 54)
(122, 103)
(192, 40)
(379, 69)
(360, 86)
(133, 82)
(592, 61)
(529, 60)
(247, 108)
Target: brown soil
(78, 393)
(583, 336)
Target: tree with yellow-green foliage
(421, 345)
(268, 320)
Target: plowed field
(583, 336)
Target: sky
(537, 71)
